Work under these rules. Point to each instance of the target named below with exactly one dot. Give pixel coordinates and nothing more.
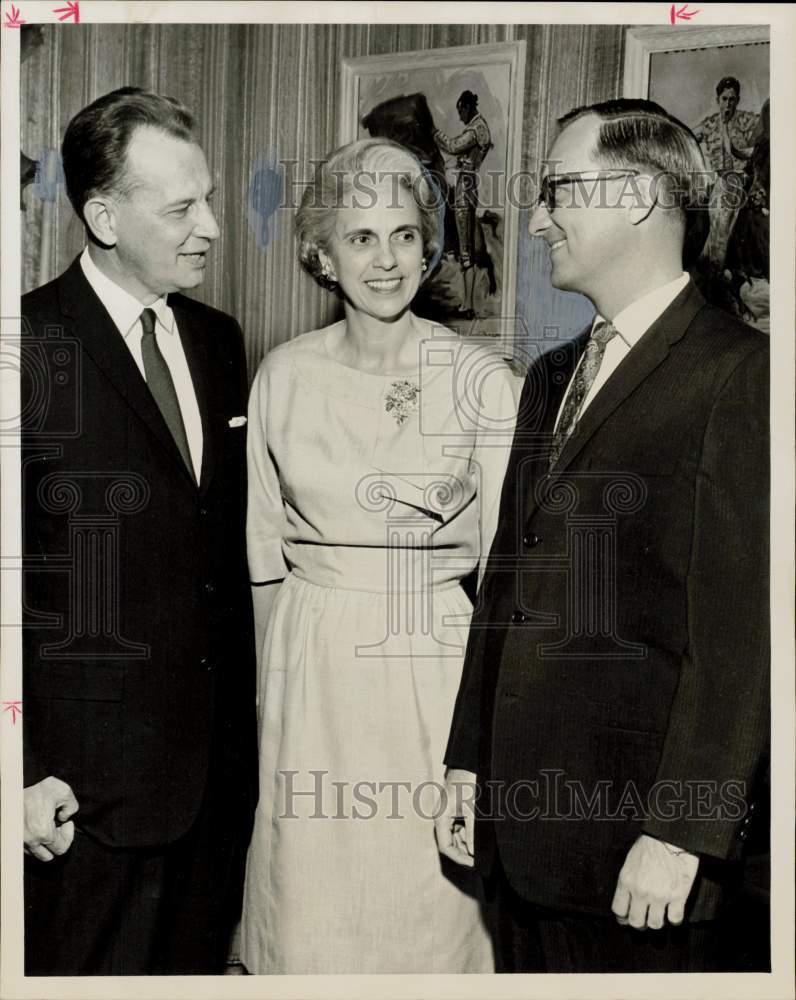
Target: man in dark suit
(139, 699)
(614, 700)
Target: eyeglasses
(549, 185)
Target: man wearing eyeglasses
(613, 713)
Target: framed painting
(459, 110)
(716, 80)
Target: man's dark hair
(643, 135)
(468, 99)
(94, 150)
(728, 82)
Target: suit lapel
(102, 341)
(639, 363)
(194, 337)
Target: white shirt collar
(124, 309)
(634, 320)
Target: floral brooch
(401, 400)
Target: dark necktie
(158, 378)
(578, 390)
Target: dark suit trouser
(154, 911)
(534, 939)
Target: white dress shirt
(631, 323)
(125, 311)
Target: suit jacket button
(530, 540)
(517, 617)
(209, 588)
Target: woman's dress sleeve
(266, 522)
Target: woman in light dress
(377, 448)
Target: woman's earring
(327, 272)
(423, 265)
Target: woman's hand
(454, 827)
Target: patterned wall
(265, 90)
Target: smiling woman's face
(376, 249)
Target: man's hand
(455, 826)
(49, 830)
(654, 884)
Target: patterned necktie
(161, 385)
(579, 388)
